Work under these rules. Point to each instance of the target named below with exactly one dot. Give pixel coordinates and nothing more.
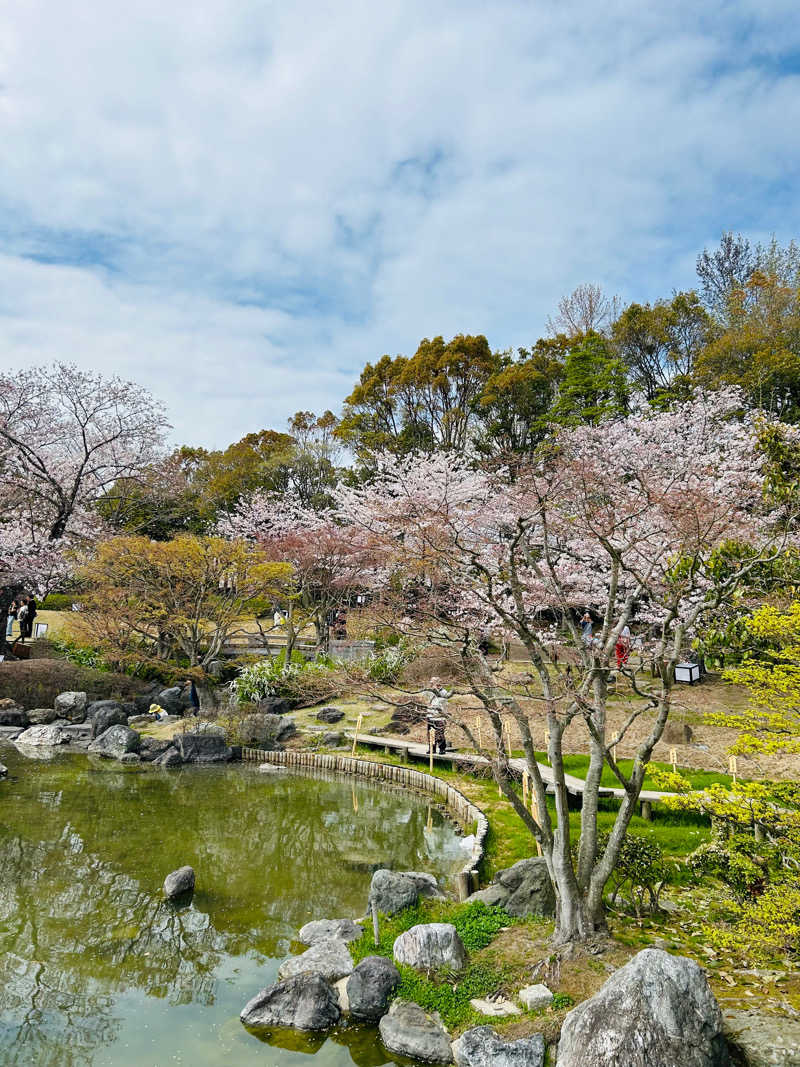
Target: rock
(332, 739)
(429, 946)
(42, 716)
(179, 883)
(143, 700)
(677, 733)
(3, 770)
(498, 1009)
(105, 713)
(410, 1031)
(12, 714)
(524, 889)
(535, 997)
(115, 742)
(325, 929)
(330, 959)
(266, 730)
(272, 768)
(391, 891)
(305, 1002)
(764, 1040)
(170, 758)
(481, 1047)
(370, 986)
(206, 727)
(41, 735)
(71, 706)
(171, 700)
(274, 706)
(656, 1011)
(10, 733)
(130, 757)
(202, 748)
(153, 747)
(330, 715)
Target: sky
(238, 203)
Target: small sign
(40, 629)
(673, 758)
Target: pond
(96, 969)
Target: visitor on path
(586, 629)
(277, 618)
(194, 699)
(436, 719)
(12, 614)
(31, 615)
(22, 619)
(623, 647)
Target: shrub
(739, 861)
(300, 681)
(36, 683)
(84, 655)
(386, 665)
(58, 602)
(640, 874)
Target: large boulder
(329, 958)
(330, 715)
(41, 735)
(411, 1031)
(179, 883)
(325, 929)
(305, 1002)
(265, 730)
(429, 946)
(764, 1040)
(202, 748)
(481, 1047)
(274, 706)
(12, 713)
(656, 1011)
(153, 747)
(114, 742)
(524, 889)
(391, 891)
(71, 706)
(42, 716)
(105, 713)
(170, 758)
(172, 700)
(370, 988)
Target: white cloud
(243, 201)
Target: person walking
(194, 699)
(586, 629)
(22, 619)
(12, 614)
(436, 718)
(32, 613)
(623, 647)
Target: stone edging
(468, 815)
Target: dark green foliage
(562, 1000)
(738, 861)
(594, 387)
(449, 994)
(640, 874)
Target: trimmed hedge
(57, 602)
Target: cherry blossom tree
(329, 557)
(66, 436)
(631, 518)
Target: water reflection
(96, 968)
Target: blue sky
(238, 203)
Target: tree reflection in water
(84, 848)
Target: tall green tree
(594, 387)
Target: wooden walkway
(471, 761)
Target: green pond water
(96, 969)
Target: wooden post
(355, 735)
(375, 932)
(535, 814)
(507, 730)
(525, 786)
(463, 881)
(430, 751)
(732, 767)
(647, 811)
(673, 758)
(478, 731)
